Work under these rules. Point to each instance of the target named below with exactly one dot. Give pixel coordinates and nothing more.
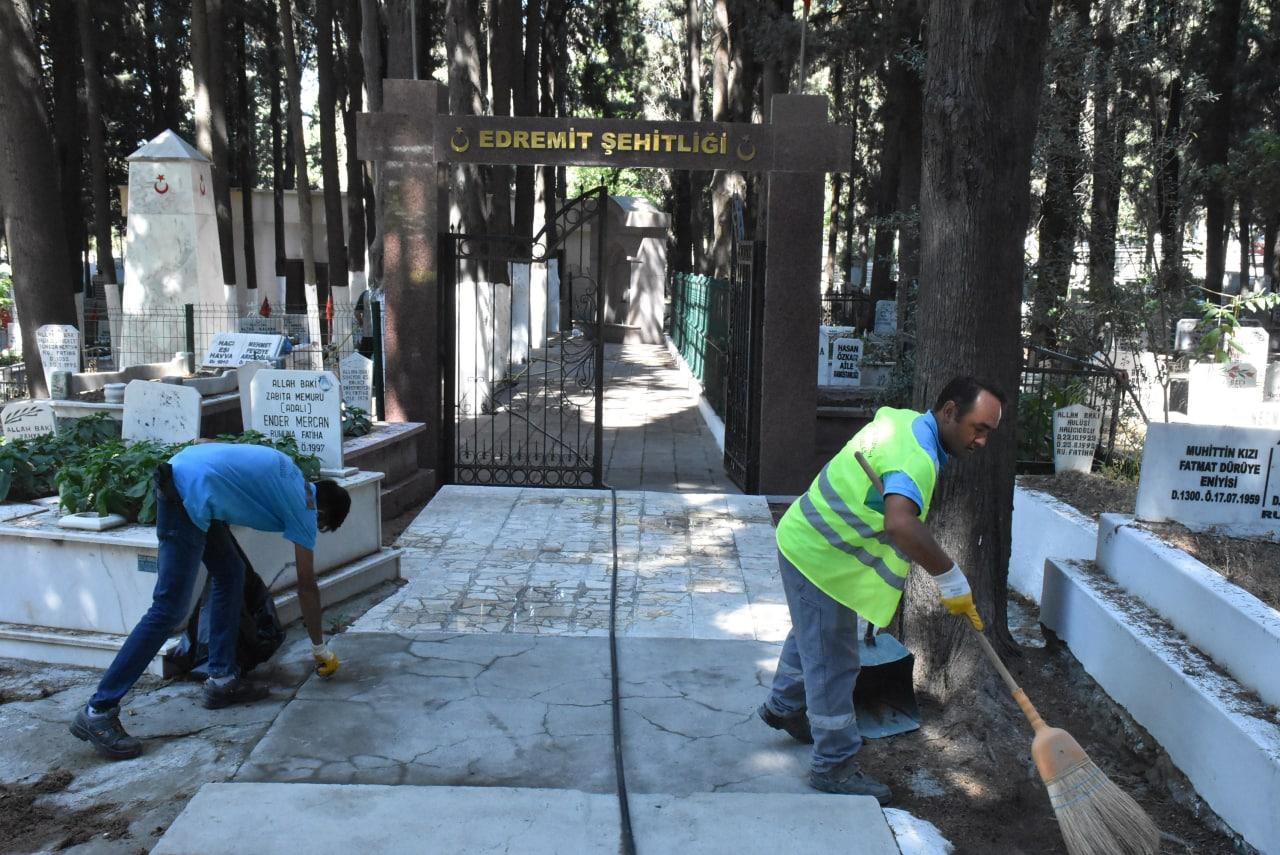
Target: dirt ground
(26, 826)
(1251, 564)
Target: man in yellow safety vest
(844, 550)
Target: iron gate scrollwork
(742, 396)
(522, 339)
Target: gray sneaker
(238, 691)
(848, 780)
(106, 735)
(796, 724)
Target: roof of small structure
(168, 146)
(640, 213)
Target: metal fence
(1053, 380)
(700, 331)
(848, 310)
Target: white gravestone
(846, 354)
(827, 334)
(306, 405)
(59, 346)
(26, 419)
(886, 317)
(256, 323)
(244, 376)
(357, 381)
(161, 412)
(1215, 390)
(1251, 345)
(228, 350)
(1212, 477)
(1076, 431)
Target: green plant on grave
(113, 478)
(28, 466)
(1035, 417)
(1219, 323)
(355, 421)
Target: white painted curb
(1218, 739)
(1043, 528)
(714, 423)
(1236, 629)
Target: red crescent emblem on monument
(160, 185)
(201, 185)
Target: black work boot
(238, 691)
(106, 734)
(796, 724)
(848, 780)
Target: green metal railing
(700, 331)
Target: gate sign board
(357, 381)
(27, 419)
(303, 404)
(229, 350)
(1076, 431)
(1212, 477)
(59, 346)
(846, 354)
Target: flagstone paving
(536, 561)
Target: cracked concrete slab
(533, 711)
(325, 818)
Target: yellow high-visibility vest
(834, 533)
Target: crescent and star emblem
(746, 150)
(459, 142)
(160, 185)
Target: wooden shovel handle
(871, 473)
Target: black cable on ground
(628, 838)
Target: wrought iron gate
(522, 333)
(742, 395)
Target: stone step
(1216, 731)
(340, 819)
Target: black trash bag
(259, 637)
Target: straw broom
(1096, 816)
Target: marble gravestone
(229, 350)
(306, 405)
(1251, 345)
(886, 317)
(27, 419)
(244, 376)
(1212, 477)
(846, 355)
(59, 346)
(1216, 389)
(160, 412)
(827, 334)
(357, 381)
(1076, 431)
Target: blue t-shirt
(249, 485)
(925, 429)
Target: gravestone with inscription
(59, 346)
(306, 405)
(846, 356)
(1217, 390)
(161, 412)
(228, 350)
(827, 334)
(1212, 477)
(26, 419)
(1251, 345)
(357, 381)
(886, 317)
(1076, 431)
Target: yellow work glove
(956, 596)
(326, 662)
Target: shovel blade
(884, 696)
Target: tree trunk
(274, 62)
(505, 63)
(837, 184)
(982, 88)
(327, 107)
(727, 102)
(356, 235)
(697, 179)
(293, 84)
(1059, 210)
(1271, 252)
(526, 104)
(1109, 130)
(247, 174)
(207, 38)
(909, 133)
(462, 33)
(1215, 137)
(97, 146)
(68, 131)
(1168, 147)
(30, 207)
(552, 72)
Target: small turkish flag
(328, 309)
(806, 7)
(265, 308)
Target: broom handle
(1014, 689)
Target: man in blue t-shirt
(201, 491)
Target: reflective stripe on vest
(814, 516)
(851, 519)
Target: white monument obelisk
(171, 253)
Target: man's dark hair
(332, 504)
(964, 391)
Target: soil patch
(29, 823)
(1092, 495)
(1251, 564)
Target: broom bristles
(1099, 818)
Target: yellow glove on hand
(326, 662)
(956, 596)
